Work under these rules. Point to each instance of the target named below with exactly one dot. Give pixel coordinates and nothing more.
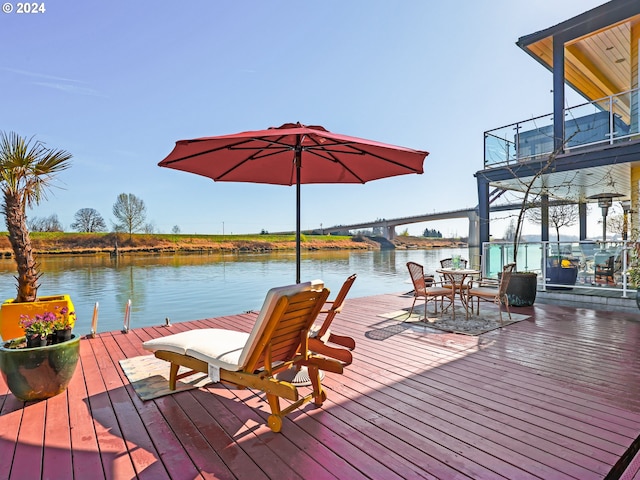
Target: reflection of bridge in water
(389, 224)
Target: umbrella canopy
(292, 154)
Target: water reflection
(193, 286)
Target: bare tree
(565, 215)
(510, 231)
(130, 213)
(45, 224)
(175, 230)
(88, 220)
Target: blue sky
(117, 83)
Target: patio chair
(606, 269)
(277, 342)
(490, 293)
(433, 292)
(448, 263)
(321, 334)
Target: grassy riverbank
(98, 243)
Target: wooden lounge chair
(278, 341)
(321, 334)
(433, 292)
(487, 292)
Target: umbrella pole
(298, 162)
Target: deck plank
(84, 440)
(554, 396)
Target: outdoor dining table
(458, 276)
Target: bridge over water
(389, 224)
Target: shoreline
(59, 243)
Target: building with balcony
(582, 153)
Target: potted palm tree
(27, 169)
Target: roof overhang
(597, 48)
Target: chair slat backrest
(416, 271)
(505, 278)
(270, 301)
(287, 328)
(448, 263)
(336, 306)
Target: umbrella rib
(359, 151)
(259, 154)
(356, 151)
(205, 152)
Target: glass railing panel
(565, 265)
(534, 138)
(625, 115)
(604, 121)
(498, 150)
(497, 254)
(587, 124)
(518, 142)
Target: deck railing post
(94, 322)
(127, 317)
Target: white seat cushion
(215, 346)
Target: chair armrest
(486, 282)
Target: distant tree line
(45, 224)
(129, 211)
(432, 233)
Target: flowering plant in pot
(37, 330)
(48, 328)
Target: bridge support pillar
(390, 231)
(474, 230)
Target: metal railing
(565, 265)
(604, 121)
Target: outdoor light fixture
(605, 200)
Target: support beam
(483, 209)
(558, 93)
(544, 216)
(582, 216)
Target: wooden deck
(555, 396)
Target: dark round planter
(638, 298)
(522, 289)
(38, 373)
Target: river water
(185, 287)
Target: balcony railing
(605, 121)
(565, 265)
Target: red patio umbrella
(292, 154)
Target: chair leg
(275, 419)
(506, 304)
(411, 311)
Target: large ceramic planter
(10, 313)
(522, 289)
(38, 373)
